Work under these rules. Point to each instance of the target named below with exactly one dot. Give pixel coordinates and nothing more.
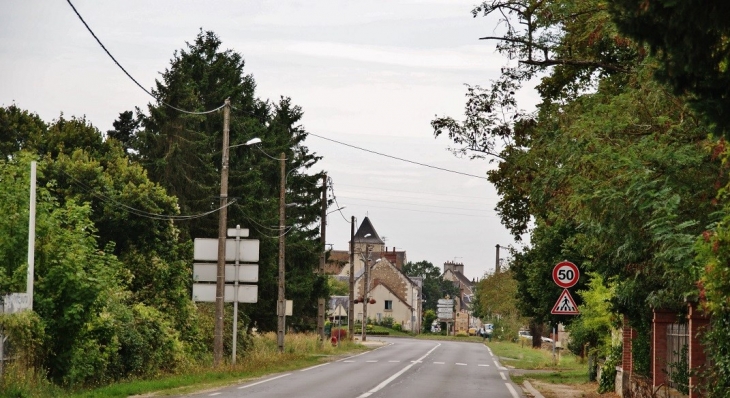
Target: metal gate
(677, 346)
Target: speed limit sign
(566, 274)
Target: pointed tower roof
(366, 227)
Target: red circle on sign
(566, 274)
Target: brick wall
(698, 322)
(662, 320)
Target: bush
(608, 370)
(397, 327)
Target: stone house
(396, 295)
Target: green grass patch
(556, 377)
(263, 358)
(519, 356)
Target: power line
(339, 208)
(421, 193)
(140, 212)
(415, 204)
(397, 158)
(423, 211)
(130, 76)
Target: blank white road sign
(206, 292)
(207, 272)
(206, 249)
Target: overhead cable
(140, 212)
(130, 76)
(397, 158)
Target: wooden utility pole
(365, 295)
(222, 229)
(351, 309)
(323, 229)
(281, 302)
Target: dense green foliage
(113, 268)
(616, 170)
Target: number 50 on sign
(566, 274)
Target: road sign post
(565, 275)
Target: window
(389, 305)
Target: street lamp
(222, 229)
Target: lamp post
(222, 229)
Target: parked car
(435, 327)
(489, 329)
(472, 331)
(546, 339)
(524, 334)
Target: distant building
(454, 272)
(396, 295)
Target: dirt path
(587, 390)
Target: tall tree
(601, 168)
(690, 40)
(182, 152)
(434, 286)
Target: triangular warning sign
(565, 305)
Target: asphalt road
(400, 368)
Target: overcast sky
(369, 73)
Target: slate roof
(366, 227)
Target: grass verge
(263, 358)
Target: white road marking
(439, 363)
(314, 367)
(371, 361)
(481, 364)
(512, 390)
(214, 394)
(393, 361)
(263, 381)
(460, 364)
(348, 361)
(362, 353)
(395, 376)
(503, 376)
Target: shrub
(397, 327)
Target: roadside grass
(301, 350)
(519, 356)
(382, 329)
(579, 376)
(539, 364)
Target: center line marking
(395, 376)
(393, 361)
(439, 363)
(371, 361)
(483, 364)
(460, 364)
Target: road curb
(530, 389)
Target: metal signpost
(565, 275)
(240, 279)
(445, 308)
